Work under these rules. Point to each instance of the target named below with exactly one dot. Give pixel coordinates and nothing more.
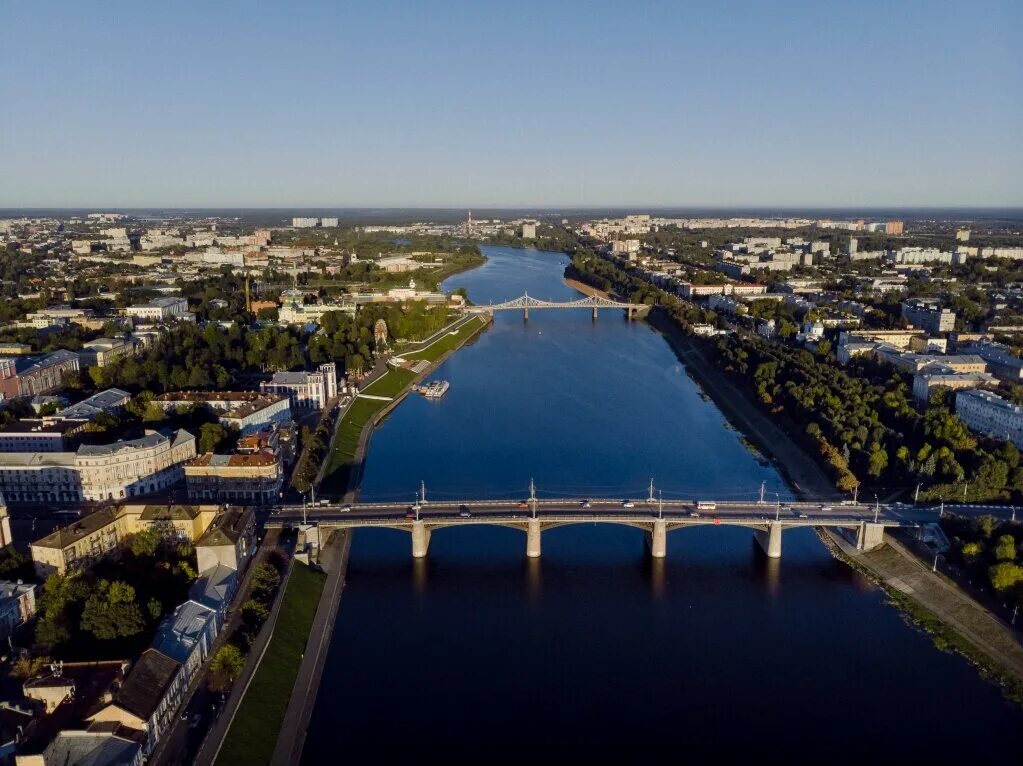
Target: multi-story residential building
(17, 605)
(254, 478)
(929, 316)
(911, 255)
(103, 351)
(229, 541)
(990, 414)
(329, 223)
(529, 230)
(148, 699)
(1002, 363)
(28, 376)
(160, 310)
(305, 389)
(894, 228)
(245, 411)
(79, 545)
(938, 376)
(38, 435)
(97, 472)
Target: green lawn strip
(253, 734)
(434, 352)
(390, 384)
(345, 443)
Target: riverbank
(955, 621)
(333, 559)
(347, 455)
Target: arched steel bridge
(526, 302)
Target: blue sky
(139, 104)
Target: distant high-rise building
(304, 223)
(963, 235)
(894, 227)
(854, 245)
(328, 223)
(529, 230)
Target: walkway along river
(595, 650)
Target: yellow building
(78, 545)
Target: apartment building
(245, 411)
(97, 472)
(79, 545)
(254, 478)
(929, 316)
(103, 351)
(990, 414)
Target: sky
(560, 104)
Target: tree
(112, 611)
(1005, 575)
(25, 667)
(255, 612)
(1005, 548)
(265, 581)
(210, 437)
(146, 544)
(972, 550)
(226, 666)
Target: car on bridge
(463, 511)
(523, 505)
(586, 504)
(344, 509)
(628, 504)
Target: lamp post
(777, 506)
(660, 504)
(877, 507)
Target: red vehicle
(523, 505)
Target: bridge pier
(629, 312)
(869, 536)
(657, 539)
(420, 539)
(525, 314)
(594, 312)
(770, 540)
(533, 538)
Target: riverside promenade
(334, 560)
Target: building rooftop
(148, 441)
(104, 401)
(147, 683)
(214, 586)
(170, 512)
(93, 747)
(227, 528)
(180, 631)
(85, 526)
(235, 460)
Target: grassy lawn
(390, 384)
(253, 733)
(447, 342)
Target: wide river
(594, 650)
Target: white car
(628, 504)
(344, 509)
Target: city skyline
(572, 107)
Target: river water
(595, 650)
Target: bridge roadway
(594, 302)
(767, 520)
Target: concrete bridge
(524, 303)
(767, 520)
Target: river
(594, 650)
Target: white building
(159, 309)
(97, 472)
(305, 389)
(304, 223)
(990, 414)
